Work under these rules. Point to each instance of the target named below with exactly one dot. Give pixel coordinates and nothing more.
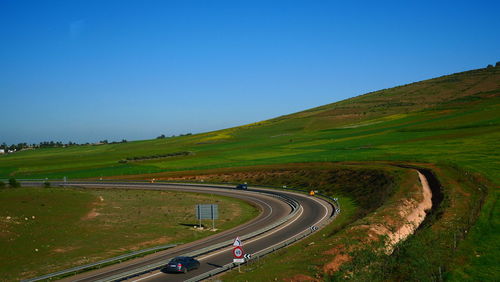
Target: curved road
(311, 212)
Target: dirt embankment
(413, 214)
(389, 225)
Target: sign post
(238, 253)
(209, 211)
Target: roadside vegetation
(45, 230)
(450, 125)
(369, 185)
(142, 158)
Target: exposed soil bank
(413, 217)
(436, 189)
(383, 229)
(435, 186)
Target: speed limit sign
(238, 252)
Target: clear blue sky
(90, 70)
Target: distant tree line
(491, 66)
(143, 158)
(59, 144)
(14, 147)
(44, 144)
(163, 136)
(51, 144)
(105, 141)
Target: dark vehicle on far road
(242, 187)
(182, 264)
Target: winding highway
(274, 205)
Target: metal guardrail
(148, 268)
(100, 263)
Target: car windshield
(179, 259)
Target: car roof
(182, 258)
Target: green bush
(13, 183)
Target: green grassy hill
(457, 115)
(450, 124)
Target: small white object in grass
(25, 218)
(36, 250)
(33, 217)
(9, 217)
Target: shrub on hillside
(13, 183)
(152, 157)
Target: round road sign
(238, 252)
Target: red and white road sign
(238, 252)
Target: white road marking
(146, 277)
(326, 214)
(257, 238)
(326, 210)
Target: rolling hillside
(449, 124)
(456, 114)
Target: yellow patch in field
(375, 121)
(357, 137)
(217, 136)
(253, 124)
(329, 141)
(309, 143)
(273, 154)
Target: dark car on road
(242, 187)
(182, 264)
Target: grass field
(45, 230)
(450, 124)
